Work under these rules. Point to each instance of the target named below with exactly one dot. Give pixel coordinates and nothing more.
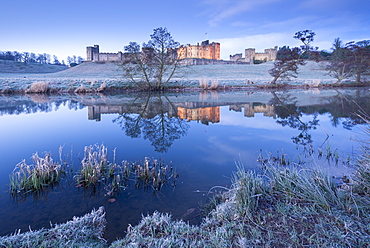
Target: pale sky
(65, 27)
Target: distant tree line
(41, 58)
(350, 61)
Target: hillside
(92, 70)
(7, 66)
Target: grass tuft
(38, 87)
(85, 231)
(94, 164)
(30, 178)
(97, 170)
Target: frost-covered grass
(92, 75)
(281, 207)
(85, 231)
(30, 178)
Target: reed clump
(38, 87)
(30, 178)
(94, 165)
(97, 170)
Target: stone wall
(209, 62)
(236, 57)
(107, 57)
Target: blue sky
(66, 27)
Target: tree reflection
(24, 104)
(154, 119)
(290, 115)
(347, 108)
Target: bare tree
(351, 60)
(359, 59)
(56, 61)
(291, 58)
(32, 57)
(338, 66)
(79, 60)
(152, 66)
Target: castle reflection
(252, 108)
(204, 115)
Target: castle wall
(94, 55)
(236, 57)
(268, 55)
(109, 57)
(262, 56)
(195, 61)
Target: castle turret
(92, 52)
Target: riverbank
(108, 77)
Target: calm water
(202, 134)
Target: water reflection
(202, 133)
(289, 114)
(161, 118)
(154, 118)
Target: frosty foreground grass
(86, 231)
(293, 208)
(281, 207)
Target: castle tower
(92, 53)
(272, 53)
(250, 54)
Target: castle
(94, 55)
(251, 56)
(204, 51)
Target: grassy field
(7, 66)
(90, 76)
